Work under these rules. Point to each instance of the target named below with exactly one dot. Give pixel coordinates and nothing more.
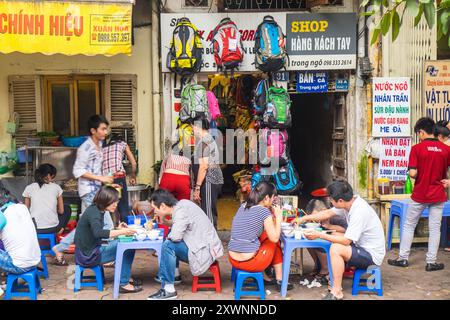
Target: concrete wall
(138, 63)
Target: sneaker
(177, 279)
(290, 286)
(434, 266)
(163, 295)
(398, 262)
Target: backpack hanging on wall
(286, 180)
(194, 102)
(244, 90)
(185, 135)
(260, 99)
(185, 53)
(276, 142)
(260, 175)
(213, 105)
(270, 46)
(227, 46)
(277, 113)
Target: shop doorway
(317, 140)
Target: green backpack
(278, 109)
(194, 102)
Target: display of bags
(286, 179)
(185, 54)
(277, 113)
(213, 105)
(194, 102)
(227, 45)
(260, 176)
(270, 46)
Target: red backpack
(227, 45)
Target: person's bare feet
(447, 249)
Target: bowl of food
(135, 226)
(288, 232)
(285, 225)
(153, 234)
(312, 225)
(140, 236)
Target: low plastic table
(399, 208)
(289, 245)
(133, 245)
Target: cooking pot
(139, 192)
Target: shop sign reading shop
(394, 158)
(65, 27)
(247, 24)
(391, 107)
(321, 41)
(436, 83)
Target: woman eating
(255, 235)
(89, 251)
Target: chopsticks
(307, 214)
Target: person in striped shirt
(255, 235)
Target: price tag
(232, 44)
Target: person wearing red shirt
(428, 164)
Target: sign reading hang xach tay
(65, 27)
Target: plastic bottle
(408, 184)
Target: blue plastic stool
(52, 242)
(259, 287)
(374, 281)
(99, 276)
(43, 273)
(233, 274)
(31, 278)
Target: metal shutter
(121, 106)
(25, 99)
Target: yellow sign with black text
(68, 28)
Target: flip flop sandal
(109, 265)
(447, 249)
(331, 296)
(134, 290)
(60, 262)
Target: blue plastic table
(133, 245)
(399, 208)
(289, 245)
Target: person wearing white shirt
(362, 245)
(21, 251)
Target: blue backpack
(286, 180)
(260, 176)
(270, 46)
(261, 95)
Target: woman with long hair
(255, 234)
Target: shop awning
(68, 27)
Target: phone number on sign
(337, 63)
(113, 37)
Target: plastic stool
(31, 278)
(52, 242)
(240, 278)
(215, 270)
(43, 273)
(99, 276)
(375, 274)
(233, 274)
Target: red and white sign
(391, 107)
(394, 158)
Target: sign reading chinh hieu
(65, 27)
(321, 41)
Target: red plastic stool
(349, 272)
(215, 270)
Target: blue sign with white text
(341, 84)
(311, 82)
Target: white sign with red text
(391, 107)
(394, 158)
(247, 24)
